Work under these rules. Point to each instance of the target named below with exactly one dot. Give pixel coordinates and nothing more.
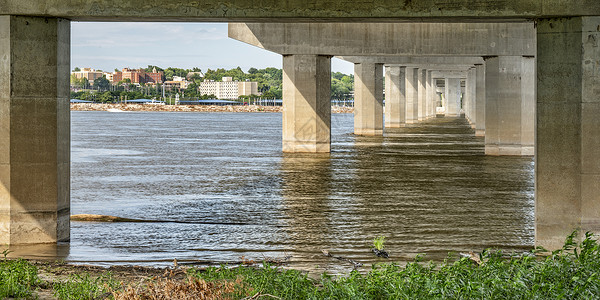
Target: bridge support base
(34, 130)
(395, 100)
(509, 110)
(368, 95)
(306, 103)
(568, 129)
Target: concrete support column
(471, 102)
(506, 121)
(480, 100)
(528, 92)
(453, 93)
(430, 95)
(306, 103)
(395, 100)
(34, 130)
(412, 95)
(568, 129)
(422, 90)
(368, 99)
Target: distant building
(139, 76)
(108, 76)
(87, 73)
(229, 89)
(178, 83)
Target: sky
(107, 46)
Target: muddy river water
(220, 189)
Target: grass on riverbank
(570, 273)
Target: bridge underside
(503, 70)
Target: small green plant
(18, 278)
(378, 242)
(5, 253)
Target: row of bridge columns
(35, 138)
(410, 97)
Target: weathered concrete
(34, 130)
(422, 90)
(528, 92)
(480, 100)
(412, 95)
(426, 62)
(452, 96)
(368, 99)
(506, 120)
(296, 10)
(568, 129)
(395, 99)
(306, 103)
(395, 39)
(430, 96)
(471, 102)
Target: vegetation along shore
(572, 272)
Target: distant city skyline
(106, 46)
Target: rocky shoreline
(116, 107)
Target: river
(221, 189)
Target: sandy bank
(188, 108)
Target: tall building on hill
(139, 76)
(87, 73)
(229, 89)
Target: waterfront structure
(562, 45)
(139, 76)
(228, 89)
(87, 73)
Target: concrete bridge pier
(509, 126)
(452, 95)
(470, 100)
(306, 103)
(430, 95)
(480, 100)
(412, 95)
(368, 98)
(395, 100)
(422, 97)
(568, 129)
(34, 130)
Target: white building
(229, 89)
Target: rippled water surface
(222, 189)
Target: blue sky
(107, 46)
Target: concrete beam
(395, 39)
(414, 60)
(297, 10)
(449, 74)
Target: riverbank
(570, 273)
(188, 108)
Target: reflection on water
(428, 188)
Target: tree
(102, 83)
(77, 69)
